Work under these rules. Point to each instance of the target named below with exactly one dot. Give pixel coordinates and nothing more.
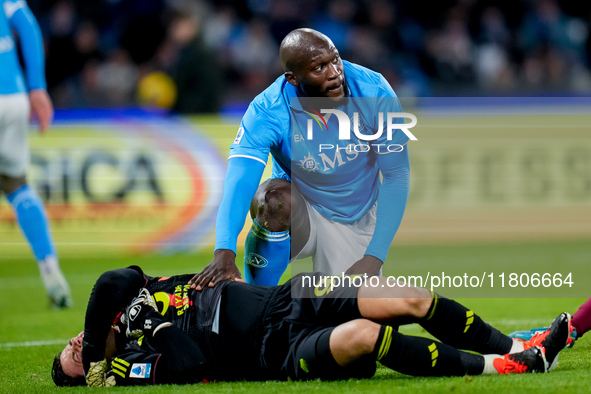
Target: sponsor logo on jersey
(141, 371)
(256, 260)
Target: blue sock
(32, 219)
(266, 255)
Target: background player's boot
(529, 361)
(56, 285)
(554, 339)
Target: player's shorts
(296, 330)
(14, 130)
(334, 246)
(265, 332)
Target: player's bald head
(299, 47)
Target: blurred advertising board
(123, 181)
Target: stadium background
(149, 96)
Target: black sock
(423, 357)
(455, 325)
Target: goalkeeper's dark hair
(59, 376)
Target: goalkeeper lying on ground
(170, 333)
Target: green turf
(26, 317)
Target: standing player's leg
(276, 213)
(28, 207)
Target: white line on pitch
(8, 345)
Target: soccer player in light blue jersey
(21, 94)
(331, 205)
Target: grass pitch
(31, 333)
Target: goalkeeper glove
(142, 317)
(97, 375)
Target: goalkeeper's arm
(173, 358)
(182, 360)
(111, 293)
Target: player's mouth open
(336, 90)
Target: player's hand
(41, 107)
(223, 266)
(369, 265)
(142, 317)
(97, 375)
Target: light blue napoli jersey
(15, 14)
(341, 183)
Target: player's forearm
(240, 185)
(111, 293)
(182, 360)
(391, 206)
(31, 42)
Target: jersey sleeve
(393, 162)
(134, 367)
(392, 199)
(31, 41)
(388, 103)
(240, 184)
(258, 133)
(111, 293)
(171, 357)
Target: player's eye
(336, 58)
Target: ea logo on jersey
(134, 312)
(239, 135)
(256, 260)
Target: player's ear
(291, 78)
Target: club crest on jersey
(309, 163)
(134, 312)
(256, 260)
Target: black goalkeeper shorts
(296, 329)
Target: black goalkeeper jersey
(258, 336)
(139, 361)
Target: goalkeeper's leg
(445, 319)
(362, 341)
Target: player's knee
(271, 205)
(417, 305)
(362, 334)
(10, 184)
